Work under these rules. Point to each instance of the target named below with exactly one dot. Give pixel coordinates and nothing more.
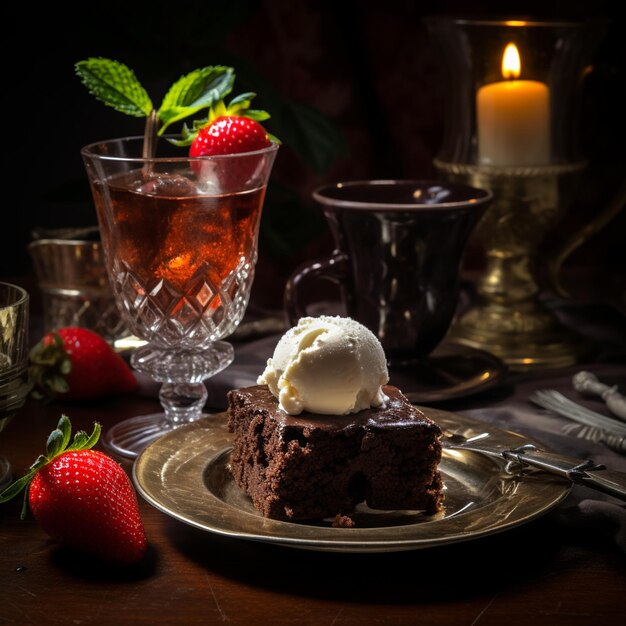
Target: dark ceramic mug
(398, 251)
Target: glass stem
(182, 402)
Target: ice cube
(167, 184)
(208, 177)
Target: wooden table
(533, 575)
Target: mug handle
(333, 268)
(558, 257)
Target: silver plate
(185, 474)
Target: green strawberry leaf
(115, 84)
(193, 92)
(54, 445)
(57, 383)
(186, 137)
(80, 439)
(240, 105)
(41, 460)
(257, 114)
(65, 427)
(57, 440)
(242, 100)
(13, 489)
(82, 442)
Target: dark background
(355, 90)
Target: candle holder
(513, 129)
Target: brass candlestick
(510, 320)
(514, 130)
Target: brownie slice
(314, 466)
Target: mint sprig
(194, 92)
(117, 86)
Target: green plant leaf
(195, 91)
(315, 139)
(115, 84)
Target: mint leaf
(114, 84)
(195, 91)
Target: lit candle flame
(511, 63)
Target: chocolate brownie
(313, 466)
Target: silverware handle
(608, 481)
(580, 472)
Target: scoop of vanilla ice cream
(329, 365)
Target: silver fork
(581, 431)
(600, 427)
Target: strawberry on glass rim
(232, 129)
(229, 134)
(228, 129)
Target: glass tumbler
(15, 383)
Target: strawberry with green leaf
(83, 498)
(232, 129)
(78, 364)
(235, 127)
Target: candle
(513, 118)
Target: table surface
(534, 574)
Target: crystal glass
(180, 242)
(15, 382)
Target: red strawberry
(78, 364)
(229, 134)
(83, 498)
